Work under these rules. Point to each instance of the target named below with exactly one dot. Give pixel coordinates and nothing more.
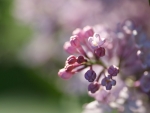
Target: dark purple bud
(71, 59)
(99, 52)
(113, 70)
(69, 68)
(80, 59)
(90, 75)
(93, 87)
(113, 82)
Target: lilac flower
(121, 50)
(145, 82)
(76, 64)
(108, 96)
(96, 41)
(108, 83)
(97, 107)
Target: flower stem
(100, 75)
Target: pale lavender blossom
(96, 41)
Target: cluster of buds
(90, 48)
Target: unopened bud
(79, 33)
(113, 70)
(69, 49)
(93, 87)
(99, 52)
(69, 68)
(88, 31)
(90, 75)
(64, 74)
(74, 41)
(71, 59)
(80, 59)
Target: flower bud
(80, 59)
(93, 87)
(71, 59)
(88, 31)
(64, 74)
(74, 41)
(113, 70)
(99, 52)
(79, 33)
(90, 75)
(69, 68)
(69, 49)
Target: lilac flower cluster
(90, 48)
(135, 59)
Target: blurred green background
(25, 89)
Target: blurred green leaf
(13, 35)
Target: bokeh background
(32, 34)
(28, 62)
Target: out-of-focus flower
(145, 82)
(97, 107)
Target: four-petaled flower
(96, 41)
